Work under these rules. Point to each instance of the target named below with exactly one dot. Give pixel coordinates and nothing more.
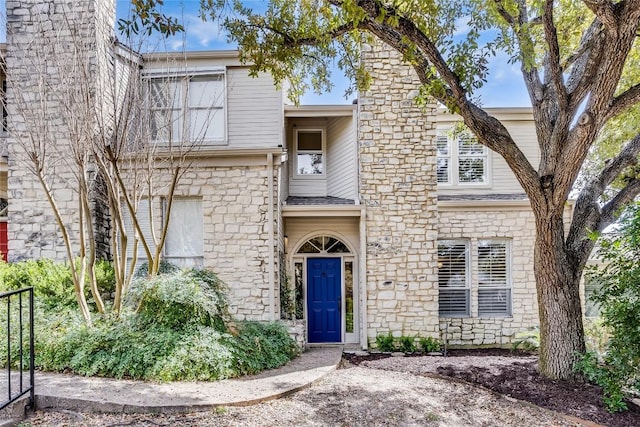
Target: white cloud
(461, 26)
(203, 32)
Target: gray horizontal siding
(254, 110)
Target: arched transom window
(323, 245)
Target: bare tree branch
(553, 55)
(588, 215)
(625, 100)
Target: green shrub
(174, 327)
(429, 344)
(105, 278)
(165, 268)
(51, 281)
(617, 370)
(260, 346)
(407, 344)
(386, 342)
(528, 340)
(188, 297)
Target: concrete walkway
(90, 394)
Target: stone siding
(48, 46)
(398, 188)
(236, 239)
(516, 225)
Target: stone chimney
(48, 42)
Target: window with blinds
(443, 159)
(472, 160)
(134, 244)
(494, 278)
(453, 278)
(187, 109)
(461, 160)
(184, 244)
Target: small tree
(83, 123)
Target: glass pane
(442, 145)
(453, 302)
(144, 221)
(338, 248)
(443, 170)
(309, 140)
(186, 230)
(452, 265)
(348, 295)
(165, 125)
(207, 124)
(206, 91)
(492, 264)
(308, 248)
(494, 302)
(591, 307)
(471, 170)
(165, 93)
(299, 296)
(469, 146)
(310, 164)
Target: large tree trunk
(558, 284)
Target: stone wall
(517, 225)
(236, 237)
(51, 46)
(398, 188)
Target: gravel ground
(354, 395)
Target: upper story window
(310, 158)
(461, 160)
(188, 109)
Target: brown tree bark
(558, 286)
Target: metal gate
(16, 312)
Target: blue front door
(324, 301)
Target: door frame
(352, 256)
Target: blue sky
(504, 88)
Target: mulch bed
(522, 381)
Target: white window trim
(299, 176)
(508, 275)
(467, 287)
(453, 178)
(184, 77)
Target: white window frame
(447, 157)
(505, 291)
(442, 290)
(322, 152)
(454, 157)
(184, 108)
(194, 260)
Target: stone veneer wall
(41, 38)
(518, 226)
(398, 188)
(236, 239)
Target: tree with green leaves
(576, 60)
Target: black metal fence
(16, 306)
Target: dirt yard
(400, 391)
